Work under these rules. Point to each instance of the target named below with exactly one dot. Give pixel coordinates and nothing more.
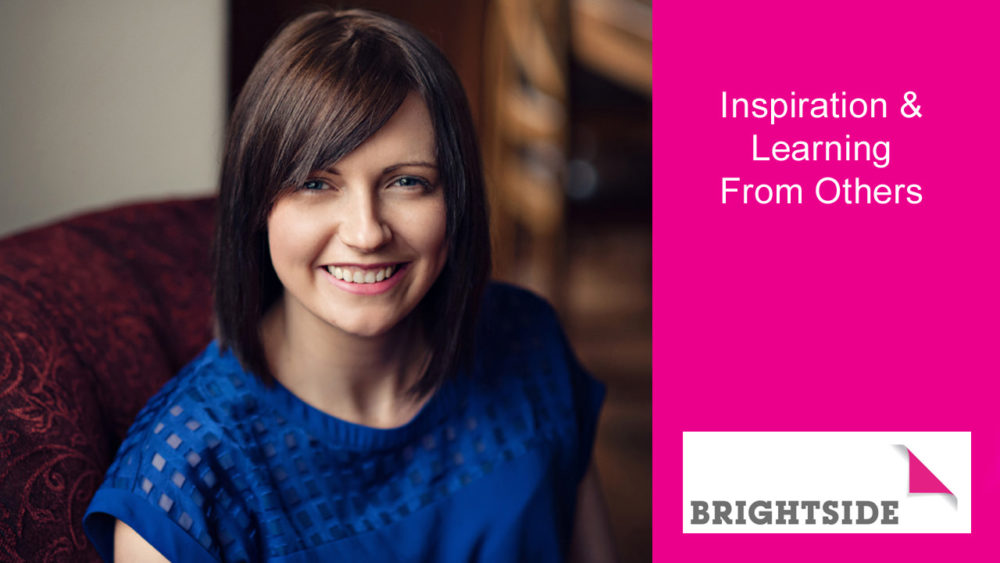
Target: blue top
(219, 466)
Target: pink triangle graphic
(922, 480)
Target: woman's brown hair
(325, 84)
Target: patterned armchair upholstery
(96, 313)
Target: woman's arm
(591, 542)
(129, 546)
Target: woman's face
(359, 245)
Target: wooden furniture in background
(525, 137)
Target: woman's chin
(369, 328)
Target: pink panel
(826, 317)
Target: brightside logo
(827, 482)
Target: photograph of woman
(370, 394)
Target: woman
(370, 397)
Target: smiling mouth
(361, 276)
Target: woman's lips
(383, 277)
(362, 274)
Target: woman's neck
(364, 380)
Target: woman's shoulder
(521, 344)
(179, 454)
(533, 379)
(200, 418)
(201, 412)
(504, 294)
(209, 390)
(516, 311)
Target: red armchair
(96, 313)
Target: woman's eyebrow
(333, 170)
(422, 163)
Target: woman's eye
(314, 185)
(411, 182)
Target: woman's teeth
(357, 275)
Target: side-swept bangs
(327, 82)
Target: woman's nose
(363, 229)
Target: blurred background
(108, 101)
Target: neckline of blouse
(339, 433)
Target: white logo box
(870, 468)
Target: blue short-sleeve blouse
(219, 466)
